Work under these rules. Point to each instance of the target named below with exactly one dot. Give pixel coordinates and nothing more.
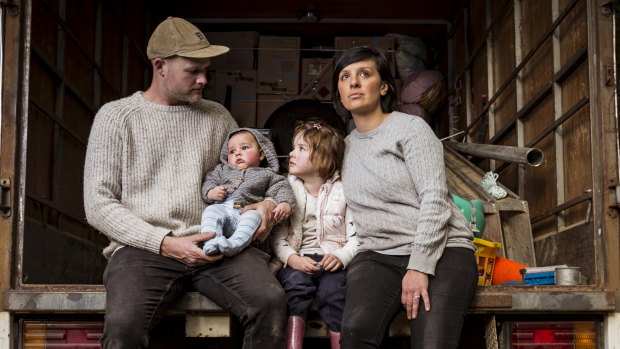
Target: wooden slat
(569, 247)
(518, 241)
(487, 299)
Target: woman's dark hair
(389, 102)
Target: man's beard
(182, 96)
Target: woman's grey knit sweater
(395, 184)
(144, 166)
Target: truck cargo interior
(524, 89)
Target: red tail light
(556, 335)
(61, 335)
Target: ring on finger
(416, 297)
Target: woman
(416, 247)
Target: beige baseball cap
(176, 36)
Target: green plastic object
(465, 206)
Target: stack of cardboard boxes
(278, 74)
(251, 94)
(232, 79)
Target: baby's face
(243, 151)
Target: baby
(248, 173)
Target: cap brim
(207, 52)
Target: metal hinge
(610, 75)
(5, 197)
(614, 206)
(12, 6)
(607, 7)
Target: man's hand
(217, 193)
(415, 289)
(185, 249)
(282, 211)
(265, 209)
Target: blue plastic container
(539, 279)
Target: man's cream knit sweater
(144, 166)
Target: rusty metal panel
(491, 300)
(54, 302)
(194, 301)
(212, 325)
(604, 143)
(16, 52)
(564, 301)
(542, 299)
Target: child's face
(299, 162)
(243, 151)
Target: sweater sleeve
(280, 190)
(349, 250)
(212, 179)
(279, 243)
(103, 187)
(423, 155)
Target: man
(147, 155)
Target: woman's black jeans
(374, 283)
(140, 285)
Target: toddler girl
(320, 240)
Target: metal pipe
(520, 155)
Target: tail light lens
(557, 335)
(61, 335)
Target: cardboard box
(347, 42)
(311, 70)
(242, 84)
(278, 64)
(242, 50)
(343, 43)
(267, 104)
(486, 254)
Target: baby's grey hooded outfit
(245, 187)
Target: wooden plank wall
(542, 103)
(458, 100)
(82, 52)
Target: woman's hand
(330, 262)
(415, 288)
(303, 263)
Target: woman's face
(361, 88)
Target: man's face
(243, 151)
(185, 78)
